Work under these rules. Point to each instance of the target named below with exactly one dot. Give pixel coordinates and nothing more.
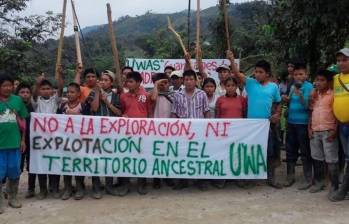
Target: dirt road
(260, 204)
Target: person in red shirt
(134, 104)
(231, 105)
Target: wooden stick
(188, 22)
(61, 42)
(114, 47)
(170, 27)
(226, 22)
(77, 38)
(197, 28)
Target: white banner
(148, 67)
(162, 148)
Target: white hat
(179, 74)
(110, 74)
(344, 51)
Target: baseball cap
(344, 51)
(110, 74)
(223, 67)
(179, 74)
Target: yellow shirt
(341, 98)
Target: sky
(94, 12)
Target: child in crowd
(224, 72)
(191, 102)
(241, 91)
(176, 78)
(12, 140)
(209, 86)
(124, 71)
(340, 109)
(231, 105)
(24, 91)
(297, 127)
(46, 101)
(162, 99)
(263, 102)
(105, 103)
(201, 78)
(168, 70)
(135, 104)
(322, 132)
(16, 83)
(195, 98)
(90, 76)
(161, 96)
(73, 107)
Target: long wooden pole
(61, 41)
(188, 18)
(77, 38)
(114, 46)
(179, 39)
(197, 29)
(226, 23)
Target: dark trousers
(273, 151)
(25, 160)
(79, 180)
(53, 182)
(297, 140)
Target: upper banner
(152, 148)
(147, 67)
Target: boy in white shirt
(46, 101)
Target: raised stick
(77, 38)
(114, 47)
(226, 23)
(61, 42)
(170, 27)
(197, 28)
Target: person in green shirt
(12, 139)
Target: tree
(22, 38)
(312, 30)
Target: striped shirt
(194, 106)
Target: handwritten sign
(164, 148)
(148, 67)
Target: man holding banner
(263, 103)
(190, 103)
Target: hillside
(147, 36)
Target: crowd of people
(312, 114)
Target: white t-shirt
(47, 106)
(212, 105)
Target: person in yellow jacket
(341, 111)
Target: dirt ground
(259, 204)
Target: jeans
(344, 138)
(297, 138)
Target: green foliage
(312, 30)
(22, 39)
(276, 30)
(147, 35)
